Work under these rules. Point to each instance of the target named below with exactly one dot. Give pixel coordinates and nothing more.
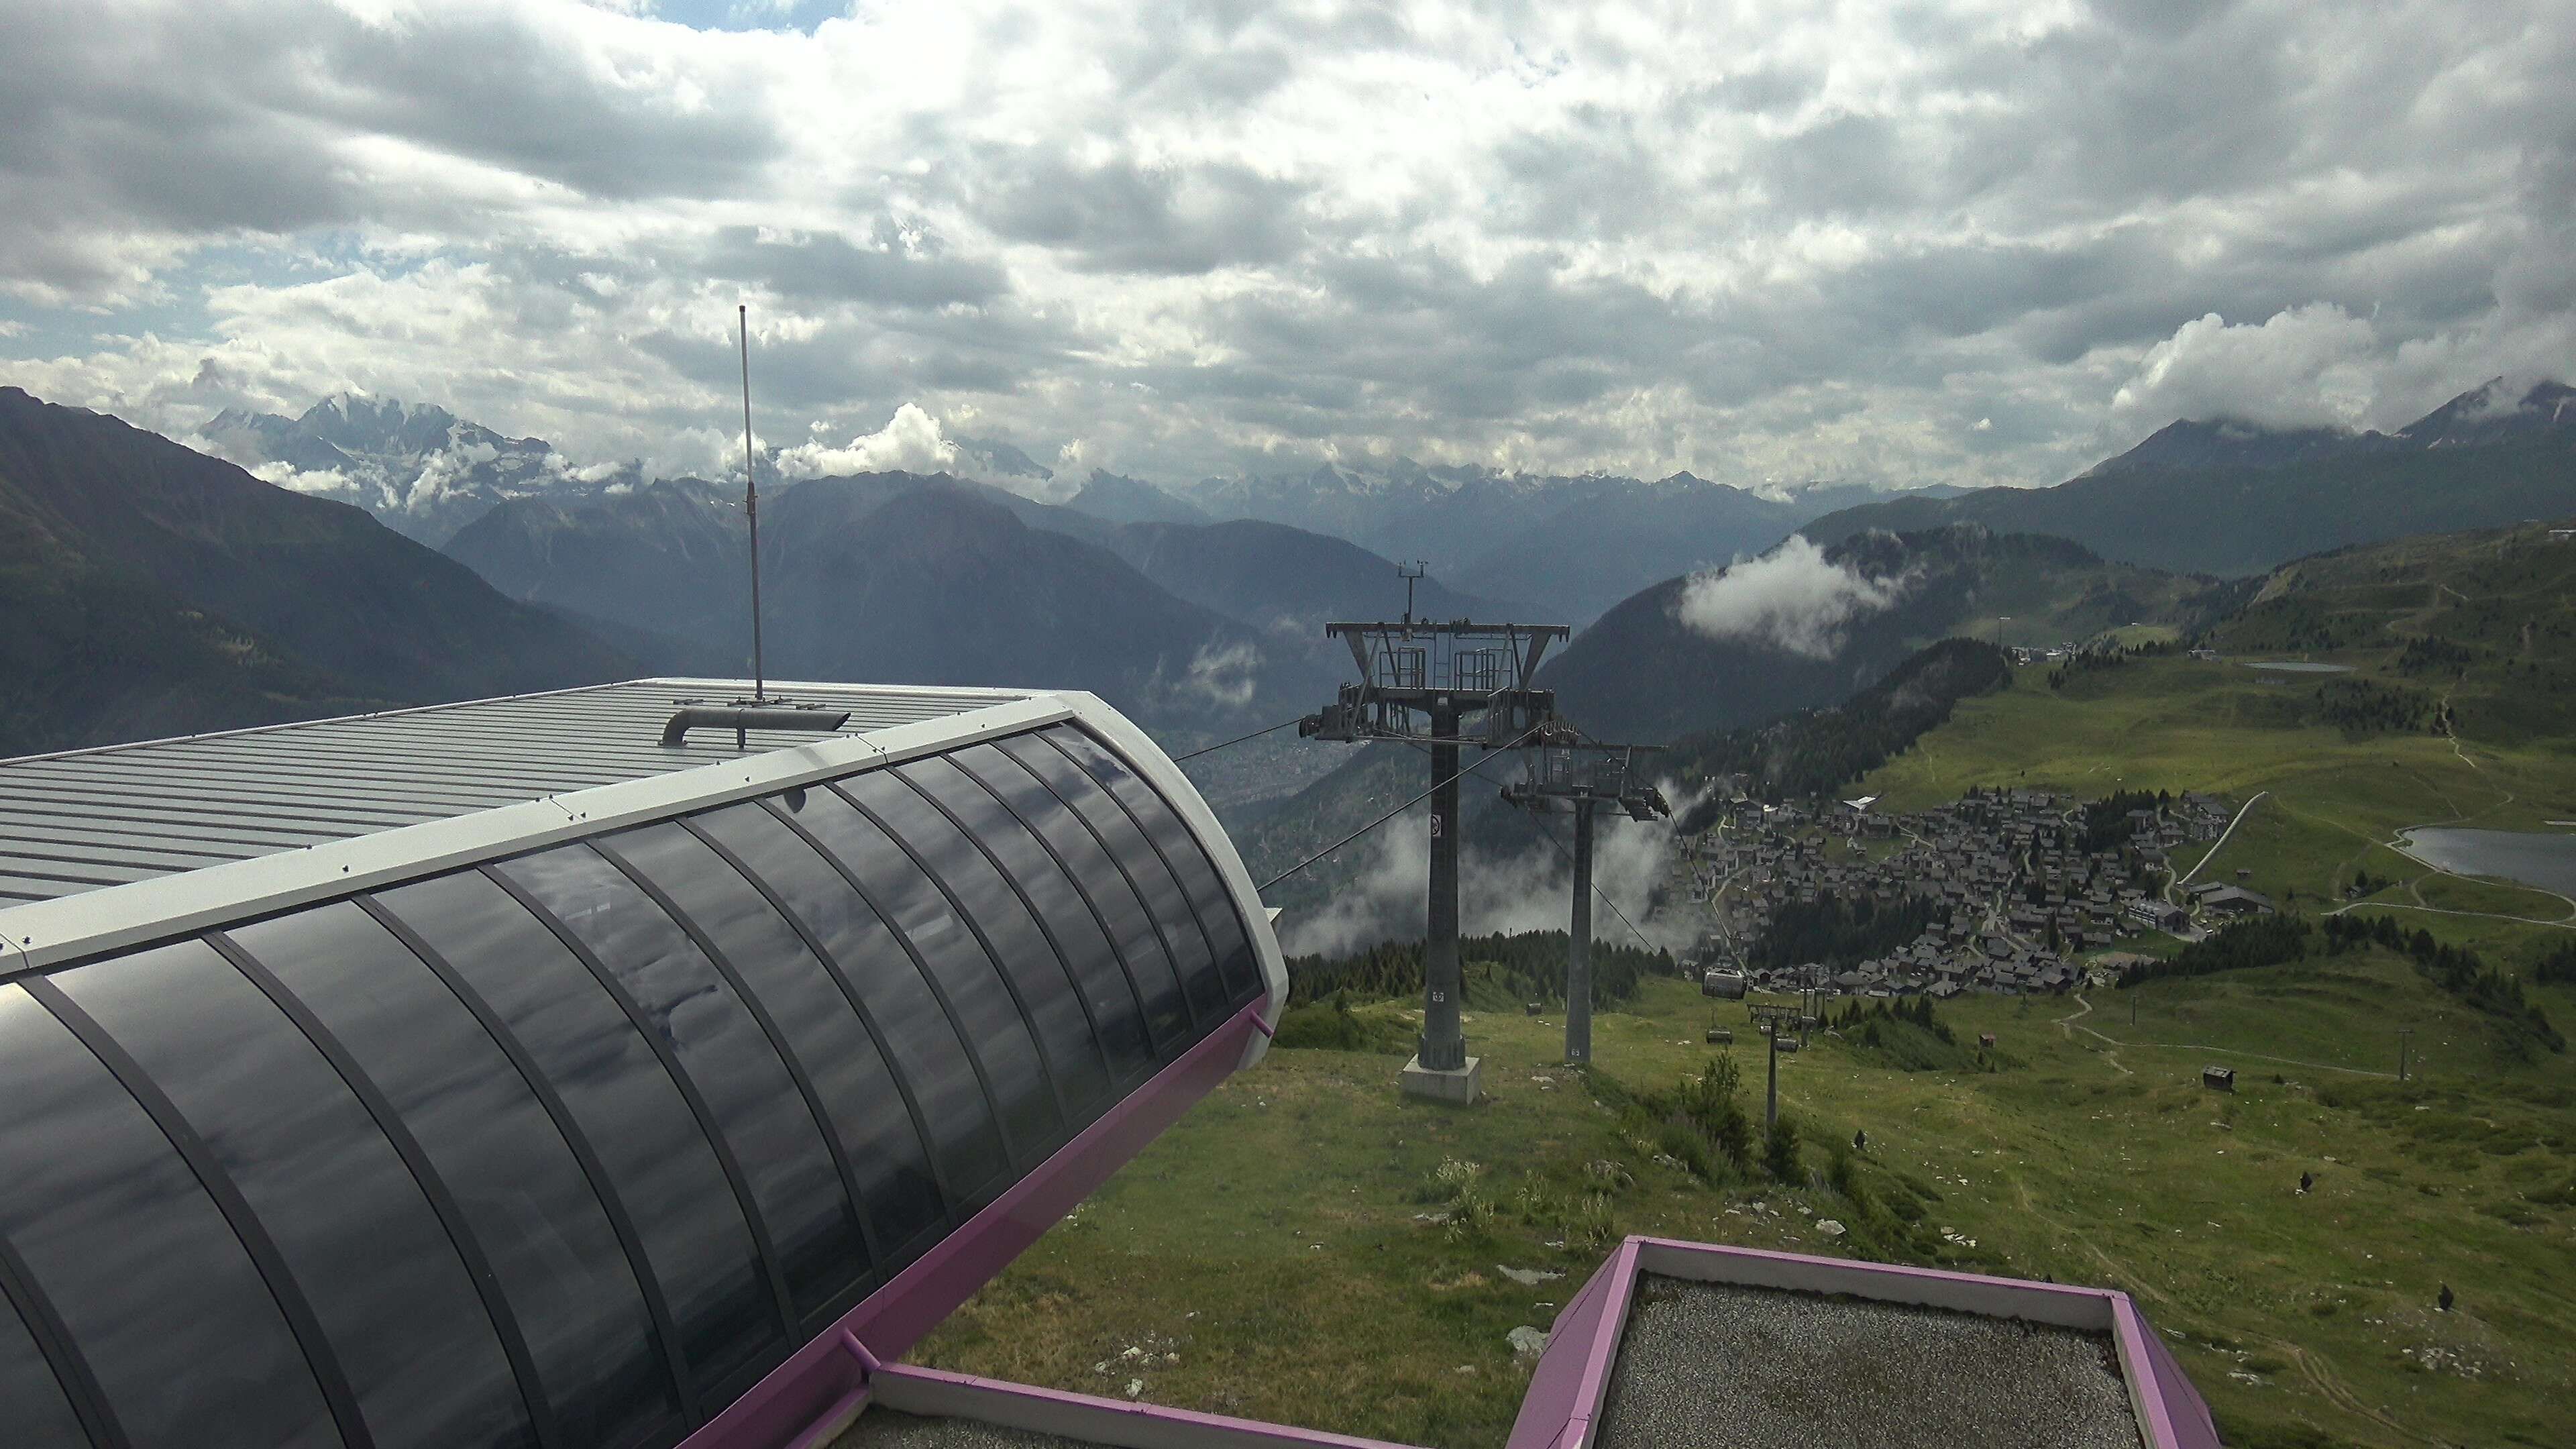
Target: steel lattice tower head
(1441, 685)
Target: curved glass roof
(569, 1148)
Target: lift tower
(1580, 778)
(1442, 685)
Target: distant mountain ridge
(1687, 656)
(421, 470)
(1565, 546)
(928, 578)
(149, 589)
(1121, 499)
(2486, 414)
(2228, 498)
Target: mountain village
(2017, 887)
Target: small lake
(2533, 857)
(2294, 666)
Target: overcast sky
(1980, 242)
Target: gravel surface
(892, 1429)
(1715, 1366)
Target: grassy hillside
(2454, 711)
(2482, 624)
(1283, 1242)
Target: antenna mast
(1411, 575)
(751, 505)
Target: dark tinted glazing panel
(732, 1062)
(1130, 925)
(535, 1216)
(1198, 874)
(916, 1031)
(36, 1412)
(353, 1226)
(187, 1343)
(1163, 895)
(985, 1012)
(866, 1113)
(1095, 967)
(659, 1162)
(1044, 984)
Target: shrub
(1780, 1151)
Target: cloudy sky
(1973, 242)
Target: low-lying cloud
(1225, 675)
(1499, 891)
(1792, 598)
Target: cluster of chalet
(2015, 892)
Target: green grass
(1275, 1239)
(2332, 804)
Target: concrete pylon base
(1459, 1088)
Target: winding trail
(2215, 846)
(2069, 1023)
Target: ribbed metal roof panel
(88, 819)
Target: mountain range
(2233, 499)
(1566, 547)
(937, 579)
(1171, 601)
(152, 590)
(420, 469)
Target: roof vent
(741, 720)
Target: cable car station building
(617, 1068)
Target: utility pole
(751, 506)
(1443, 1047)
(1771, 1019)
(1771, 1092)
(1578, 947)
(1583, 777)
(1443, 674)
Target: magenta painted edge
(1031, 1393)
(1594, 1389)
(1549, 1403)
(828, 1426)
(824, 1372)
(2178, 1416)
(1558, 1415)
(1894, 1270)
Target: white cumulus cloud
(1793, 598)
(2305, 367)
(911, 442)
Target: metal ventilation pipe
(675, 733)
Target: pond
(2534, 857)
(2294, 666)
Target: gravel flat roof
(1720, 1366)
(883, 1428)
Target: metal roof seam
(78, 923)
